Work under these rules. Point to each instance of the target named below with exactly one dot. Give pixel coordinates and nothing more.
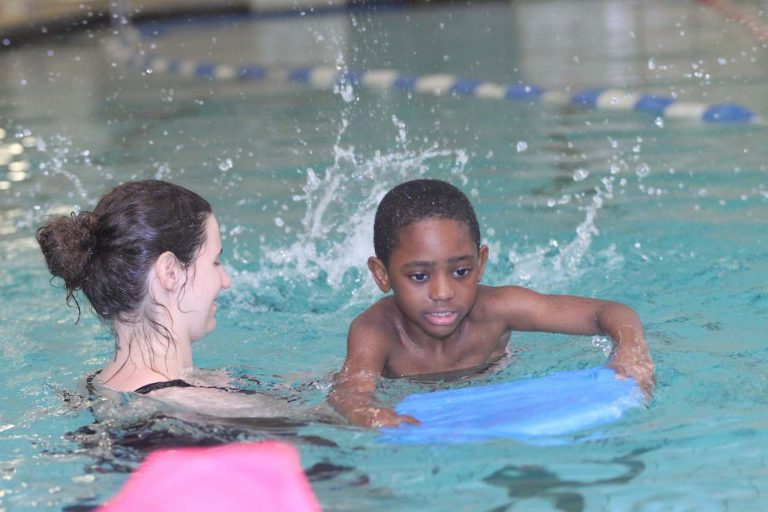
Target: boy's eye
(462, 272)
(419, 277)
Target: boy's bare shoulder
(501, 302)
(499, 296)
(377, 319)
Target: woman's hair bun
(68, 244)
(108, 253)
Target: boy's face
(434, 273)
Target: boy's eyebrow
(457, 259)
(454, 259)
(419, 264)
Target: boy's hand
(377, 417)
(353, 396)
(635, 362)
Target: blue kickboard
(529, 410)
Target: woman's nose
(226, 282)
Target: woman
(148, 261)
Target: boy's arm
(353, 394)
(533, 311)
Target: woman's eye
(419, 277)
(461, 272)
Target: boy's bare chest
(474, 349)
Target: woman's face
(206, 279)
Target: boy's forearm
(621, 323)
(352, 403)
(630, 356)
(359, 406)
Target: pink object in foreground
(263, 476)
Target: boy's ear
(167, 270)
(483, 254)
(379, 273)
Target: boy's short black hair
(416, 200)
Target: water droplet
(642, 170)
(603, 343)
(225, 165)
(580, 174)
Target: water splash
(59, 159)
(547, 267)
(336, 239)
(326, 261)
(43, 168)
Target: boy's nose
(440, 289)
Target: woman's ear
(379, 273)
(168, 271)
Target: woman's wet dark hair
(416, 200)
(107, 253)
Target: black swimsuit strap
(177, 383)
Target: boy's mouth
(441, 317)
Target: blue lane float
(523, 92)
(728, 112)
(653, 104)
(537, 410)
(587, 98)
(128, 48)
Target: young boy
(440, 320)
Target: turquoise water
(666, 215)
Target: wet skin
(439, 319)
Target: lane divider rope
(752, 21)
(127, 48)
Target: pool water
(666, 215)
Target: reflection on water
(526, 482)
